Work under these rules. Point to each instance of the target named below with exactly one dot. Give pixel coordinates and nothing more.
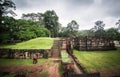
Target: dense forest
(32, 25)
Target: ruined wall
(93, 43)
(25, 53)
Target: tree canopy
(118, 24)
(50, 19)
(71, 30)
(99, 28)
(32, 25)
(21, 30)
(6, 7)
(114, 33)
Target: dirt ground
(112, 72)
(109, 72)
(47, 69)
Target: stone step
(55, 49)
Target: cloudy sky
(85, 12)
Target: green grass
(4, 62)
(9, 75)
(38, 43)
(65, 57)
(98, 59)
(60, 70)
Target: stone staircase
(56, 49)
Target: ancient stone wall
(25, 53)
(93, 43)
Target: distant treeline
(32, 25)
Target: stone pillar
(26, 55)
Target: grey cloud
(81, 2)
(39, 2)
(112, 7)
(69, 3)
(80, 10)
(21, 3)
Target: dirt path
(28, 71)
(49, 69)
(76, 69)
(53, 70)
(110, 72)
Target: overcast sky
(85, 12)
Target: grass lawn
(65, 57)
(96, 60)
(37, 43)
(4, 62)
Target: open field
(37, 43)
(97, 60)
(5, 62)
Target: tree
(72, 28)
(63, 32)
(114, 33)
(5, 8)
(36, 17)
(118, 23)
(50, 19)
(86, 33)
(42, 32)
(28, 29)
(32, 16)
(7, 29)
(99, 28)
(99, 25)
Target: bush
(26, 35)
(4, 37)
(42, 32)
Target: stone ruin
(24, 53)
(88, 43)
(93, 43)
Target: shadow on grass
(8, 74)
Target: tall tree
(63, 32)
(99, 25)
(86, 33)
(114, 33)
(118, 23)
(5, 8)
(72, 28)
(50, 19)
(36, 17)
(7, 29)
(99, 28)
(32, 16)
